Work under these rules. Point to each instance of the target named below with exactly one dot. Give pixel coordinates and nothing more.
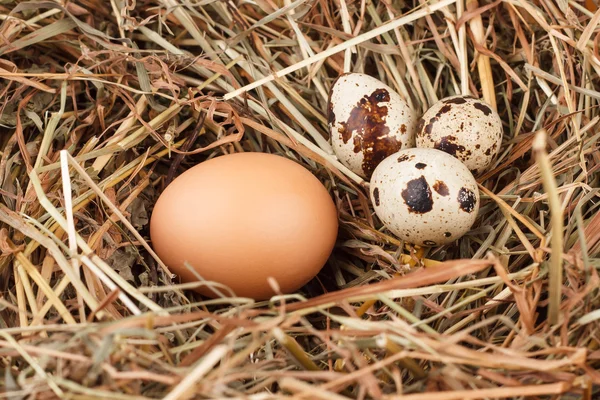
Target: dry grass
(102, 103)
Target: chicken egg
(425, 196)
(465, 127)
(368, 121)
(239, 219)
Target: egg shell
(425, 196)
(465, 127)
(368, 121)
(241, 218)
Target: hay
(103, 103)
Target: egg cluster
(427, 194)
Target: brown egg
(242, 218)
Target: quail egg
(425, 196)
(368, 121)
(465, 127)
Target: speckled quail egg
(425, 196)
(465, 127)
(368, 121)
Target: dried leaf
(122, 260)
(138, 214)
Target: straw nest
(102, 103)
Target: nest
(103, 103)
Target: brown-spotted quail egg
(368, 121)
(465, 127)
(425, 196)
